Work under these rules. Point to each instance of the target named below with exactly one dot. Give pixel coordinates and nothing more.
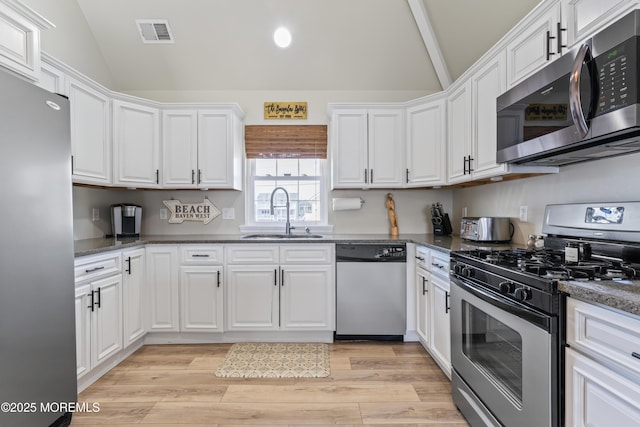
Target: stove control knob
(467, 272)
(523, 294)
(506, 287)
(457, 269)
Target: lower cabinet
(432, 305)
(162, 277)
(134, 296)
(98, 307)
(602, 370)
(287, 287)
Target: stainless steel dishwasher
(371, 291)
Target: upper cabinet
(540, 41)
(426, 143)
(20, 38)
(90, 134)
(585, 17)
(202, 148)
(136, 145)
(367, 147)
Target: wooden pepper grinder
(393, 219)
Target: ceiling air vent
(154, 30)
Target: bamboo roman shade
(282, 141)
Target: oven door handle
(543, 321)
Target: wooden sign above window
(285, 111)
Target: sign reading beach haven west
(205, 211)
(285, 110)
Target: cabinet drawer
(95, 267)
(312, 253)
(422, 257)
(604, 333)
(201, 255)
(251, 254)
(439, 263)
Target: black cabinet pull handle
(282, 277)
(99, 298)
(420, 258)
(549, 38)
(157, 176)
(560, 45)
(218, 278)
(464, 166)
(371, 180)
(91, 270)
(407, 175)
(193, 176)
(71, 165)
(470, 159)
(199, 176)
(366, 177)
(636, 355)
(200, 255)
(446, 302)
(128, 270)
(275, 277)
(424, 288)
(90, 305)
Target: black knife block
(442, 225)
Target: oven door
(505, 357)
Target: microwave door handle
(575, 106)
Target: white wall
(71, 41)
(412, 208)
(612, 179)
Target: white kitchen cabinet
(432, 305)
(287, 287)
(134, 295)
(163, 279)
(90, 133)
(459, 132)
(136, 145)
(20, 29)
(51, 77)
(426, 143)
(98, 309)
(367, 147)
(602, 384)
(202, 149)
(201, 290)
(532, 47)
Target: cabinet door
(218, 158)
(459, 133)
(386, 148)
(598, 397)
(52, 79)
(83, 329)
(422, 307)
(136, 145)
(528, 51)
(252, 297)
(440, 323)
(134, 295)
(90, 134)
(106, 322)
(162, 279)
(586, 17)
(426, 153)
(307, 297)
(179, 148)
(19, 41)
(349, 140)
(201, 299)
(487, 84)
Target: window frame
(251, 225)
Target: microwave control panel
(616, 71)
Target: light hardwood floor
(395, 384)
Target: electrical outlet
(95, 214)
(228, 213)
(524, 213)
(464, 212)
(164, 213)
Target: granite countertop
(622, 295)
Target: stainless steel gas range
(507, 315)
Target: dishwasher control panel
(371, 252)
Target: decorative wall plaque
(180, 212)
(285, 110)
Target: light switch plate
(95, 214)
(524, 213)
(164, 213)
(228, 213)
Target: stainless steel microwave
(583, 106)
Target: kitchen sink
(281, 236)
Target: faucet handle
(306, 230)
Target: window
(303, 180)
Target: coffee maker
(126, 220)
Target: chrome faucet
(287, 227)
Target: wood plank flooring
(395, 384)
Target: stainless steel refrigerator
(37, 320)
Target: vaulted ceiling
(337, 44)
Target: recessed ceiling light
(282, 37)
